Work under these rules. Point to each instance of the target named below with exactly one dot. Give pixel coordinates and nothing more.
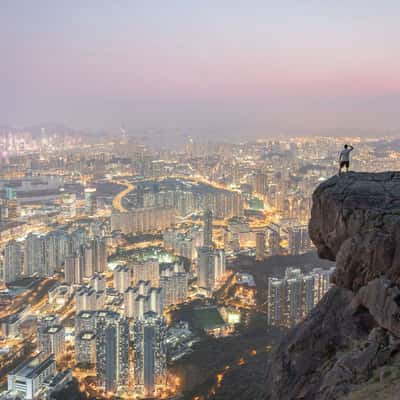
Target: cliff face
(351, 341)
(355, 221)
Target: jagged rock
(355, 221)
(382, 299)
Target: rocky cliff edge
(349, 345)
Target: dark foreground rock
(355, 221)
(349, 345)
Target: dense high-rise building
(207, 228)
(68, 205)
(298, 240)
(219, 266)
(141, 299)
(12, 209)
(34, 257)
(291, 298)
(156, 300)
(76, 240)
(121, 275)
(205, 267)
(130, 297)
(174, 284)
(258, 182)
(73, 269)
(50, 334)
(260, 246)
(143, 220)
(112, 351)
(85, 348)
(13, 261)
(62, 247)
(150, 361)
(90, 201)
(97, 282)
(211, 267)
(145, 271)
(322, 282)
(50, 253)
(88, 256)
(274, 240)
(85, 321)
(99, 247)
(52, 340)
(44, 254)
(88, 299)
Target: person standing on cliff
(344, 158)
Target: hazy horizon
(226, 69)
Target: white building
(28, 379)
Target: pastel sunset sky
(206, 67)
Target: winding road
(117, 201)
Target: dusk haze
(199, 200)
(203, 68)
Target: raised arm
(351, 148)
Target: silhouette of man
(344, 158)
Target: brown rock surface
(355, 221)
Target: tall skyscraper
(141, 299)
(205, 267)
(52, 340)
(291, 298)
(34, 256)
(211, 267)
(145, 271)
(207, 229)
(260, 246)
(13, 260)
(322, 282)
(99, 254)
(112, 351)
(299, 239)
(219, 266)
(50, 334)
(85, 348)
(73, 269)
(121, 275)
(130, 297)
(174, 284)
(150, 361)
(88, 260)
(274, 240)
(90, 201)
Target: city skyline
(124, 269)
(199, 201)
(233, 70)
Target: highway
(117, 201)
